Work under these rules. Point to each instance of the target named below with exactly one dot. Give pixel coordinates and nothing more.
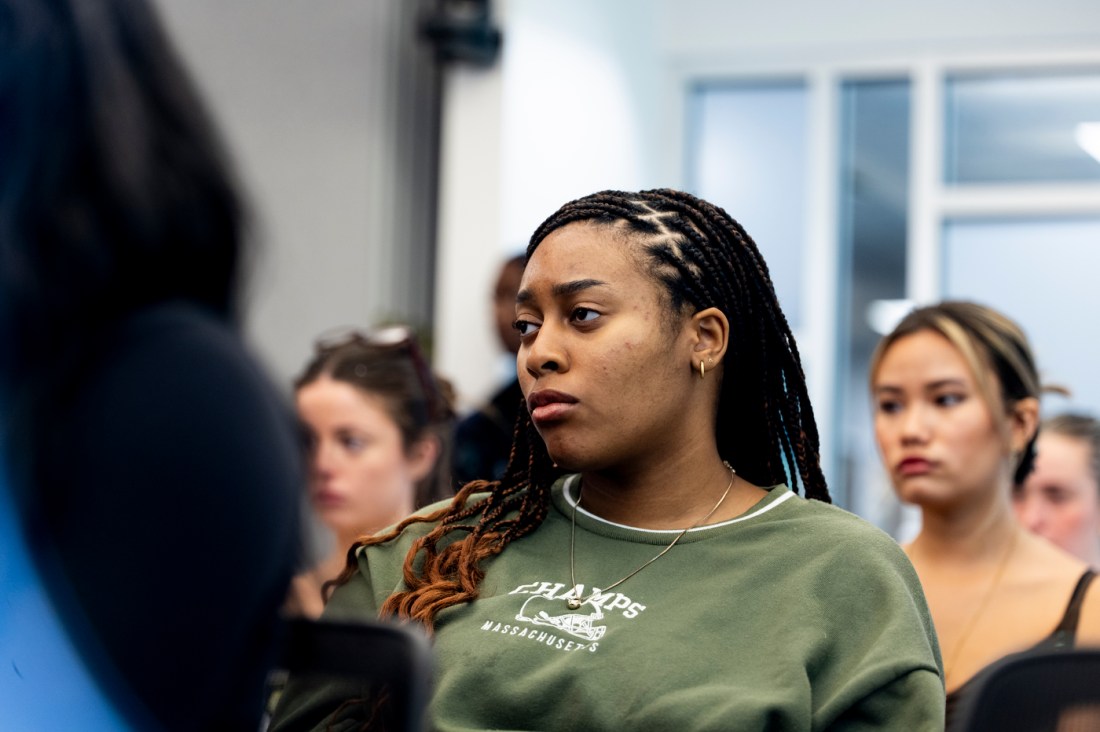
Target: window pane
(874, 192)
(1021, 128)
(747, 154)
(1041, 273)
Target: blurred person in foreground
(156, 469)
(1060, 499)
(956, 396)
(378, 424)
(483, 438)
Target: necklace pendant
(574, 603)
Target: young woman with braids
(643, 563)
(956, 408)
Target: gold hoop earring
(702, 370)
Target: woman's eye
(1056, 496)
(353, 444)
(525, 327)
(584, 314)
(889, 406)
(949, 400)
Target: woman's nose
(914, 424)
(545, 352)
(323, 458)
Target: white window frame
(931, 202)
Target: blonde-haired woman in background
(956, 392)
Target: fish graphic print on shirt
(544, 611)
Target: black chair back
(386, 655)
(1035, 691)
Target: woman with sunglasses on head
(643, 563)
(379, 427)
(956, 393)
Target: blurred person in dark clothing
(483, 438)
(156, 470)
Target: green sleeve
(912, 702)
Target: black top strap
(1066, 632)
(1064, 636)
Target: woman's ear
(422, 455)
(710, 332)
(1023, 420)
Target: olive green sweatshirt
(795, 616)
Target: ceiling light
(1087, 135)
(883, 315)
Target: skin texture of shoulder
(989, 612)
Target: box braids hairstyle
(765, 425)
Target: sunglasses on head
(398, 338)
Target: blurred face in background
(935, 431)
(362, 477)
(1060, 499)
(504, 304)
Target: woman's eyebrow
(931, 386)
(944, 383)
(568, 288)
(564, 288)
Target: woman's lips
(327, 499)
(548, 405)
(914, 466)
(551, 412)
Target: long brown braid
(765, 426)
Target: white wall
(884, 27)
(469, 240)
(579, 106)
(292, 86)
(570, 110)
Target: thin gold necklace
(969, 628)
(577, 601)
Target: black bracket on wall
(462, 31)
